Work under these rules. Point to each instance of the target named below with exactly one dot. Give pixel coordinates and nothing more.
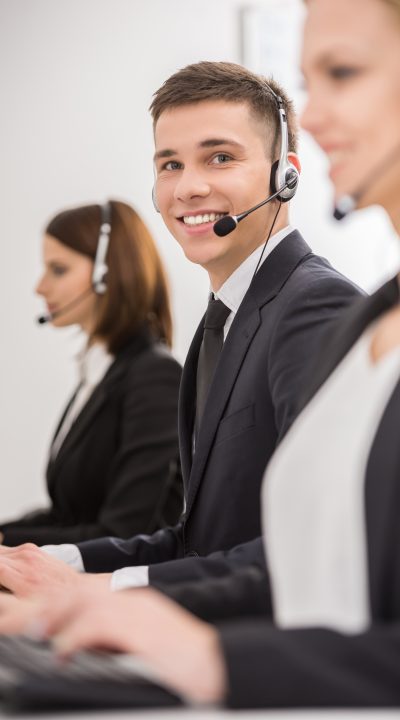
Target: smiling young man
(217, 136)
(211, 160)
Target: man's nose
(191, 184)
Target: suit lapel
(267, 283)
(63, 416)
(382, 502)
(347, 330)
(97, 399)
(187, 403)
(80, 425)
(232, 355)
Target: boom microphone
(228, 223)
(43, 319)
(347, 203)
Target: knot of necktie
(216, 314)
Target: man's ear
(294, 159)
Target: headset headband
(100, 267)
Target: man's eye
(172, 165)
(221, 158)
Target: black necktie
(210, 349)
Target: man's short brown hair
(232, 83)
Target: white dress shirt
(93, 363)
(231, 293)
(313, 497)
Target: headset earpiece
(283, 173)
(286, 174)
(100, 267)
(284, 178)
(272, 182)
(100, 285)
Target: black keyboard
(33, 677)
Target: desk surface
(192, 714)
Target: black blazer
(117, 468)
(251, 403)
(268, 667)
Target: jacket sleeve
(109, 553)
(144, 489)
(244, 591)
(215, 565)
(300, 330)
(313, 667)
(34, 519)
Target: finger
(81, 633)
(11, 578)
(56, 612)
(58, 607)
(6, 603)
(15, 615)
(7, 550)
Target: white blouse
(313, 497)
(93, 364)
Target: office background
(76, 79)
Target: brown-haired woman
(114, 457)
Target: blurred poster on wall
(271, 42)
(363, 246)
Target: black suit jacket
(251, 403)
(117, 468)
(268, 667)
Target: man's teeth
(199, 219)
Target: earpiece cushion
(272, 181)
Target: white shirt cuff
(130, 577)
(68, 553)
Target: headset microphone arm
(228, 223)
(347, 203)
(260, 204)
(43, 319)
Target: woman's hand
(16, 615)
(182, 651)
(79, 611)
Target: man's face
(211, 160)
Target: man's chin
(201, 251)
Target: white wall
(76, 79)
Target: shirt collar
(236, 286)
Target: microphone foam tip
(225, 225)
